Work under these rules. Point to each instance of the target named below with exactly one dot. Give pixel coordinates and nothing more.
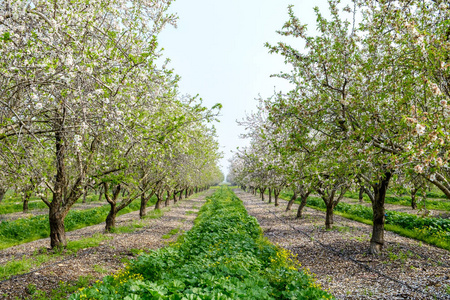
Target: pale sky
(218, 50)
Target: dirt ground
(407, 269)
(104, 259)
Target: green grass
(13, 203)
(436, 204)
(434, 231)
(89, 242)
(171, 233)
(24, 265)
(224, 256)
(28, 229)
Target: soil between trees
(107, 257)
(415, 270)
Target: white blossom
(420, 129)
(418, 169)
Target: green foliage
(24, 265)
(435, 231)
(224, 256)
(33, 228)
(88, 242)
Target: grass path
(105, 258)
(407, 269)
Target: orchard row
(86, 102)
(368, 108)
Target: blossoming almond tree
(67, 69)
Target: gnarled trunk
(276, 193)
(167, 202)
(100, 193)
(175, 198)
(143, 207)
(380, 189)
(158, 201)
(270, 195)
(262, 193)
(26, 197)
(111, 218)
(304, 198)
(361, 194)
(291, 201)
(57, 229)
(329, 215)
(2, 193)
(85, 195)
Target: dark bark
(380, 189)
(291, 201)
(270, 195)
(26, 198)
(186, 193)
(85, 195)
(56, 212)
(276, 193)
(329, 215)
(413, 198)
(57, 229)
(304, 198)
(158, 201)
(111, 218)
(361, 194)
(262, 190)
(100, 193)
(167, 202)
(2, 193)
(175, 197)
(144, 201)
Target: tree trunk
(85, 195)
(167, 202)
(293, 198)
(100, 194)
(158, 201)
(361, 194)
(413, 198)
(175, 198)
(180, 196)
(57, 229)
(262, 193)
(111, 218)
(302, 205)
(143, 207)
(186, 193)
(26, 198)
(56, 212)
(270, 195)
(329, 215)
(380, 189)
(276, 193)
(2, 193)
